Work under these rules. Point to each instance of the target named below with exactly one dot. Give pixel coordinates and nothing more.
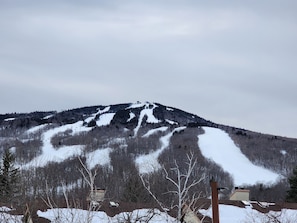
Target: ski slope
(216, 145)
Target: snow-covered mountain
(125, 140)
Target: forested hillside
(122, 143)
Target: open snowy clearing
(217, 145)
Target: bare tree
(89, 177)
(183, 183)
(137, 217)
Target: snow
(51, 154)
(98, 157)
(154, 131)
(47, 117)
(9, 119)
(216, 145)
(78, 215)
(283, 152)
(171, 122)
(149, 163)
(233, 214)
(105, 119)
(36, 128)
(146, 112)
(169, 109)
(8, 218)
(227, 214)
(131, 116)
(137, 105)
(5, 209)
(104, 110)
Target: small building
(97, 195)
(240, 194)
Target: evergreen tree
(9, 176)
(292, 192)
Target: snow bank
(80, 216)
(216, 145)
(233, 214)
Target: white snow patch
(98, 157)
(154, 131)
(69, 186)
(169, 109)
(216, 145)
(37, 128)
(137, 105)
(78, 215)
(12, 149)
(146, 112)
(105, 119)
(149, 163)
(233, 214)
(47, 117)
(283, 152)
(9, 218)
(6, 209)
(171, 122)
(104, 110)
(131, 116)
(51, 154)
(9, 119)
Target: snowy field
(215, 144)
(227, 213)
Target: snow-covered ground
(105, 119)
(51, 154)
(217, 145)
(148, 113)
(227, 214)
(149, 163)
(233, 214)
(154, 131)
(82, 216)
(98, 157)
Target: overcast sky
(231, 62)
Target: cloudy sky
(232, 62)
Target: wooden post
(214, 202)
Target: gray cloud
(231, 62)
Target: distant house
(97, 195)
(240, 194)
